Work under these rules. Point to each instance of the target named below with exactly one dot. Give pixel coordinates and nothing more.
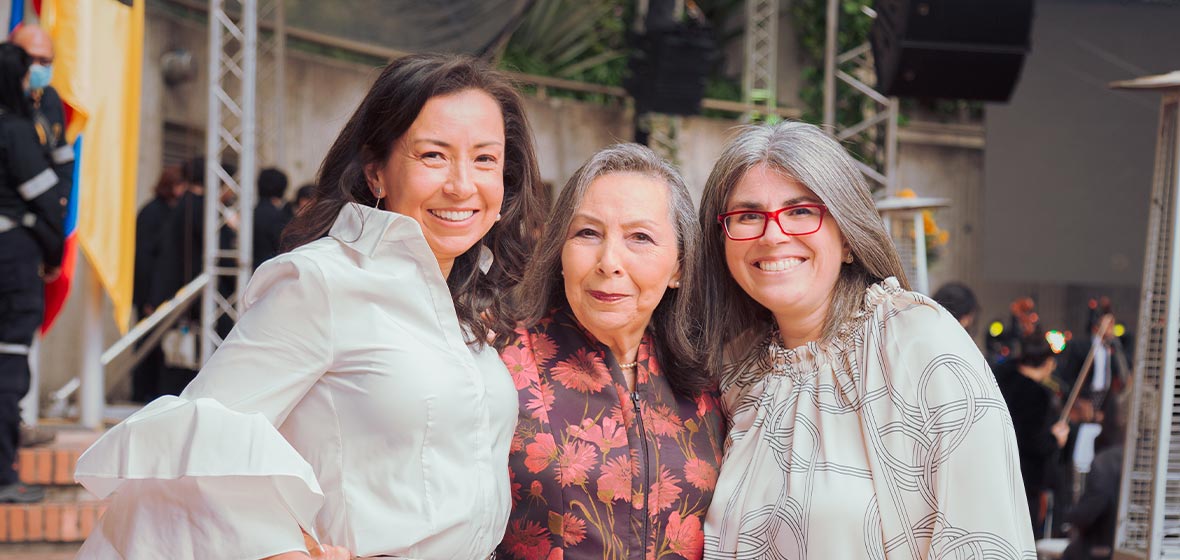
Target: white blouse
(890, 442)
(345, 401)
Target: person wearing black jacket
(270, 216)
(31, 241)
(1095, 515)
(1031, 404)
(150, 226)
(49, 116)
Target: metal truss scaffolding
(759, 78)
(874, 131)
(231, 135)
(1149, 497)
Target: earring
(675, 283)
(848, 258)
(379, 195)
(498, 216)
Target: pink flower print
(520, 364)
(542, 401)
(705, 403)
(527, 540)
(685, 536)
(609, 435)
(570, 528)
(517, 442)
(544, 349)
(664, 492)
(584, 372)
(574, 462)
(648, 367)
(662, 421)
(540, 453)
(536, 492)
(515, 486)
(700, 474)
(615, 482)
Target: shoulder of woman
(278, 274)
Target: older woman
(864, 421)
(618, 443)
(357, 400)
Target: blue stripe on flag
(72, 209)
(17, 14)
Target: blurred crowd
(1067, 396)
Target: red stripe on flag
(57, 291)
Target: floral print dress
(598, 471)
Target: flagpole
(30, 405)
(91, 399)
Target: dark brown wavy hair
(384, 115)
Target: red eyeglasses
(746, 225)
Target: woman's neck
(799, 328)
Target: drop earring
(378, 195)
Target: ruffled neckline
(804, 361)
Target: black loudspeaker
(955, 49)
(668, 67)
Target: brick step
(39, 551)
(50, 521)
(54, 463)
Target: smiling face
(792, 276)
(447, 172)
(620, 255)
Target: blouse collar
(364, 229)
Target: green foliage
(571, 39)
(809, 18)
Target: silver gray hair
(672, 326)
(806, 154)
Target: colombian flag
(97, 72)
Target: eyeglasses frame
(772, 216)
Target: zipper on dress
(643, 467)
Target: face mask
(39, 76)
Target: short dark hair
(957, 298)
(306, 192)
(14, 64)
(272, 183)
(1034, 351)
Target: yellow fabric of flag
(98, 70)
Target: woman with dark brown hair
(359, 402)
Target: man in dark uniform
(49, 120)
(49, 115)
(31, 243)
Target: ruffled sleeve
(207, 474)
(941, 447)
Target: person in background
(1034, 408)
(1092, 520)
(31, 241)
(303, 198)
(150, 226)
(269, 215)
(48, 110)
(960, 301)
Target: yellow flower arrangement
(936, 237)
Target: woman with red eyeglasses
(864, 422)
